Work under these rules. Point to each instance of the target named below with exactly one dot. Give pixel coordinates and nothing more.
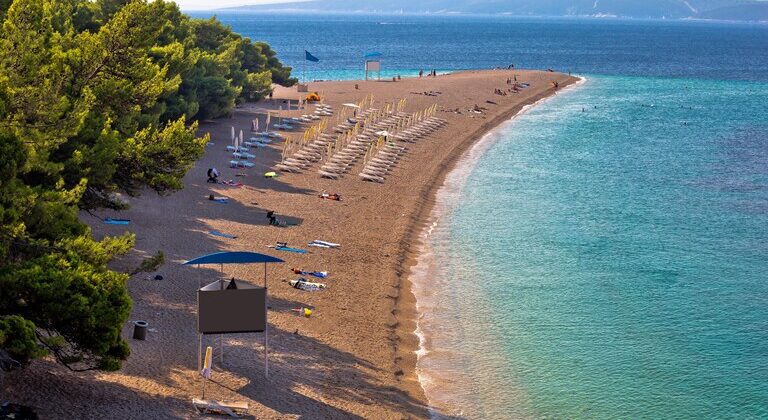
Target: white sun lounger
(372, 178)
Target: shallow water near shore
(602, 256)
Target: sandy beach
(355, 356)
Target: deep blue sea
(604, 254)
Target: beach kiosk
(232, 306)
(373, 64)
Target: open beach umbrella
(235, 257)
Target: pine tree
(87, 88)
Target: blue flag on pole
(310, 57)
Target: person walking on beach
(421, 72)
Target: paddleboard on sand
(326, 244)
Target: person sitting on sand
(272, 218)
(213, 175)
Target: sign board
(373, 65)
(240, 309)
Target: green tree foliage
(98, 98)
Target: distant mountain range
(743, 10)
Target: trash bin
(140, 330)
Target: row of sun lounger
(310, 152)
(321, 110)
(373, 122)
(385, 159)
(315, 150)
(342, 161)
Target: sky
(218, 4)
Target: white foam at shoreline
(447, 196)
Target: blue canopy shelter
(225, 307)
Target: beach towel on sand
(289, 249)
(220, 200)
(303, 284)
(111, 221)
(318, 274)
(223, 235)
(283, 246)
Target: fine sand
(354, 357)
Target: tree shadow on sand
(308, 377)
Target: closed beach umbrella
(207, 366)
(233, 133)
(208, 363)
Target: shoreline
(355, 357)
(468, 158)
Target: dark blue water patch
(588, 46)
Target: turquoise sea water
(611, 248)
(605, 254)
